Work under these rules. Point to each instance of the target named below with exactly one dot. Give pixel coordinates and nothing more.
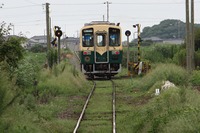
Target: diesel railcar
(101, 49)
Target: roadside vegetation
(33, 97)
(176, 109)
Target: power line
(77, 4)
(19, 7)
(31, 2)
(152, 3)
(30, 21)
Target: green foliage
(30, 102)
(197, 59)
(26, 73)
(174, 110)
(195, 78)
(161, 53)
(167, 29)
(38, 49)
(52, 57)
(4, 31)
(162, 72)
(196, 39)
(3, 87)
(154, 56)
(8, 91)
(47, 111)
(11, 52)
(180, 57)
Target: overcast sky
(28, 16)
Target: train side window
(101, 41)
(114, 37)
(87, 38)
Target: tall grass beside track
(61, 94)
(174, 110)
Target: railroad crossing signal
(58, 33)
(136, 68)
(127, 33)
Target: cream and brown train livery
(100, 49)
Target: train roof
(99, 23)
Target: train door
(101, 48)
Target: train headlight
(87, 58)
(115, 52)
(86, 52)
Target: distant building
(153, 39)
(69, 41)
(42, 40)
(37, 40)
(174, 41)
(165, 41)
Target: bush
(162, 72)
(52, 57)
(25, 74)
(197, 59)
(195, 78)
(3, 88)
(161, 53)
(154, 56)
(180, 57)
(38, 48)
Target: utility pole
(189, 36)
(48, 26)
(188, 63)
(13, 28)
(192, 35)
(107, 9)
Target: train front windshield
(87, 38)
(114, 37)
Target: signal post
(58, 33)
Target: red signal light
(115, 52)
(86, 52)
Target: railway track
(107, 116)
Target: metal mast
(107, 9)
(48, 26)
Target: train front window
(101, 41)
(87, 38)
(114, 37)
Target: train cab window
(101, 41)
(87, 38)
(114, 37)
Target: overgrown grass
(195, 78)
(174, 110)
(55, 103)
(49, 106)
(162, 72)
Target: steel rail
(84, 108)
(77, 56)
(113, 107)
